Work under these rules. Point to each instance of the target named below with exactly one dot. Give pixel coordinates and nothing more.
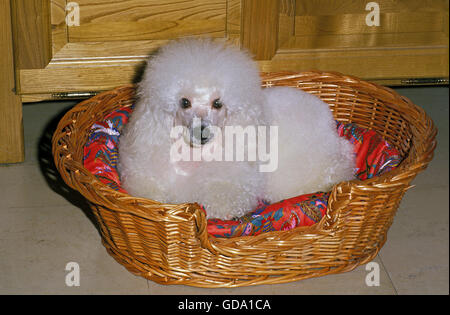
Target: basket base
(203, 280)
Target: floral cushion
(374, 156)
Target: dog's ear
(142, 66)
(139, 72)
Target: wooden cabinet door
(409, 44)
(113, 37)
(109, 42)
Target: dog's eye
(217, 104)
(185, 103)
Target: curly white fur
(311, 155)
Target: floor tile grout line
(388, 274)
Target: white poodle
(177, 147)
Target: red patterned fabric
(374, 156)
(304, 210)
(101, 152)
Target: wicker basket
(169, 244)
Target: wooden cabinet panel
(32, 34)
(114, 38)
(148, 19)
(11, 129)
(410, 42)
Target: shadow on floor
(51, 174)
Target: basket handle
(336, 203)
(344, 196)
(199, 217)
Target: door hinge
(425, 81)
(73, 95)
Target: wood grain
(31, 33)
(85, 52)
(104, 11)
(148, 19)
(11, 128)
(286, 27)
(405, 22)
(233, 31)
(260, 27)
(74, 79)
(145, 30)
(367, 41)
(58, 24)
(333, 7)
(370, 64)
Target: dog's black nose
(205, 133)
(201, 134)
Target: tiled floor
(43, 227)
